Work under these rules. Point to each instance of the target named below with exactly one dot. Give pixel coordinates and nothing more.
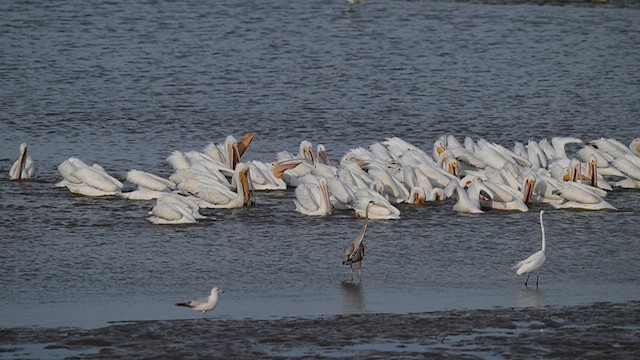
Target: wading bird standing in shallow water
(204, 305)
(354, 251)
(534, 262)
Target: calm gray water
(124, 84)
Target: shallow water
(125, 84)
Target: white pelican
(322, 156)
(23, 168)
(507, 198)
(150, 186)
(392, 187)
(82, 179)
(534, 262)
(313, 199)
(580, 196)
(381, 208)
(164, 213)
(219, 197)
(188, 202)
(270, 176)
(354, 251)
(227, 153)
(536, 156)
(610, 146)
(467, 203)
(204, 305)
(559, 143)
(305, 153)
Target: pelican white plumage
(164, 213)
(354, 251)
(313, 198)
(580, 196)
(226, 153)
(381, 209)
(534, 262)
(466, 203)
(150, 186)
(220, 197)
(82, 179)
(23, 168)
(204, 305)
(270, 176)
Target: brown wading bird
(354, 251)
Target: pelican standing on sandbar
(354, 251)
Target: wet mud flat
(600, 330)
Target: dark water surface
(124, 84)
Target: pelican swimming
(220, 197)
(227, 153)
(150, 186)
(270, 176)
(534, 262)
(354, 251)
(23, 168)
(164, 213)
(204, 305)
(312, 197)
(82, 179)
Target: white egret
(534, 262)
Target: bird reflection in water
(353, 297)
(529, 297)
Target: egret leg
(537, 276)
(525, 283)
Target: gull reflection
(529, 297)
(353, 297)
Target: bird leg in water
(525, 283)
(360, 270)
(351, 271)
(537, 277)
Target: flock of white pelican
(479, 175)
(371, 181)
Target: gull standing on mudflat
(206, 304)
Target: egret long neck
(542, 228)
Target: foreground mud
(601, 330)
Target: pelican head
(417, 196)
(439, 147)
(527, 188)
(592, 170)
(575, 171)
(233, 155)
(322, 155)
(306, 151)
(281, 166)
(243, 181)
